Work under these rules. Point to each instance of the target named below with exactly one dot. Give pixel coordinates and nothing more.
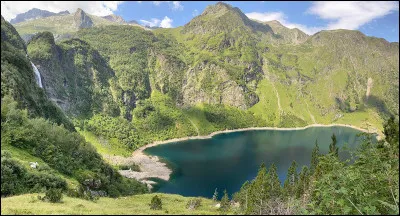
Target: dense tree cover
(158, 118)
(369, 185)
(65, 151)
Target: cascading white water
(37, 76)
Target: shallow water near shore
(226, 161)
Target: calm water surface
(226, 161)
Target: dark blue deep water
(226, 161)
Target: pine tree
(314, 157)
(291, 180)
(215, 195)
(332, 147)
(257, 195)
(274, 182)
(303, 181)
(225, 203)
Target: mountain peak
(222, 17)
(220, 7)
(35, 13)
(82, 20)
(114, 18)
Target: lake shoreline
(156, 143)
(152, 167)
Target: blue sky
(379, 19)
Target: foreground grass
(138, 204)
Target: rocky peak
(222, 17)
(35, 13)
(114, 18)
(82, 20)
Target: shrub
(193, 203)
(133, 167)
(53, 195)
(156, 203)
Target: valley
(101, 105)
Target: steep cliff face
(209, 83)
(18, 79)
(82, 20)
(74, 75)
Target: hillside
(34, 129)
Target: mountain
(82, 20)
(221, 70)
(118, 19)
(64, 26)
(35, 13)
(82, 78)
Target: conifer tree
(291, 180)
(215, 195)
(274, 182)
(332, 147)
(303, 181)
(314, 157)
(258, 192)
(225, 203)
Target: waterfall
(37, 76)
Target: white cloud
(195, 13)
(166, 22)
(177, 5)
(152, 23)
(340, 15)
(10, 9)
(174, 5)
(351, 15)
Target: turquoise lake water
(226, 161)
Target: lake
(227, 160)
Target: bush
(193, 203)
(53, 195)
(156, 203)
(133, 167)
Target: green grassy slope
(131, 205)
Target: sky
(379, 19)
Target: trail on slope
(311, 115)
(279, 101)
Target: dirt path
(311, 115)
(279, 101)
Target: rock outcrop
(115, 18)
(82, 20)
(35, 13)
